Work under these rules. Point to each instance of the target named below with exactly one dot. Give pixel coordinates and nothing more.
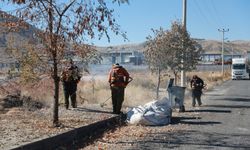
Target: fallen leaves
(18, 125)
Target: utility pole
(222, 50)
(183, 74)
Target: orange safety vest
(118, 76)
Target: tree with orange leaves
(64, 22)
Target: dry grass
(42, 91)
(139, 91)
(142, 89)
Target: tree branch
(61, 15)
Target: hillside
(212, 46)
(209, 46)
(124, 47)
(14, 36)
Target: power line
(217, 15)
(203, 14)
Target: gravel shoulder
(20, 126)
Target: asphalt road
(223, 122)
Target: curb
(74, 137)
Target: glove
(126, 83)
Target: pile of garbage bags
(155, 113)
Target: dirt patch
(20, 125)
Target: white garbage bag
(134, 115)
(157, 112)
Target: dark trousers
(117, 98)
(70, 92)
(72, 96)
(196, 94)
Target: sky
(204, 18)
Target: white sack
(135, 115)
(153, 113)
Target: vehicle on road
(219, 61)
(240, 68)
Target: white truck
(240, 68)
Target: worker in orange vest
(118, 80)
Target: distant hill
(209, 46)
(212, 46)
(24, 32)
(125, 47)
(16, 34)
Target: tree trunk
(158, 83)
(56, 96)
(53, 50)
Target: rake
(104, 103)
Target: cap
(116, 64)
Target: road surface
(223, 122)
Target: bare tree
(167, 48)
(157, 54)
(65, 22)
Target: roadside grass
(143, 87)
(137, 92)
